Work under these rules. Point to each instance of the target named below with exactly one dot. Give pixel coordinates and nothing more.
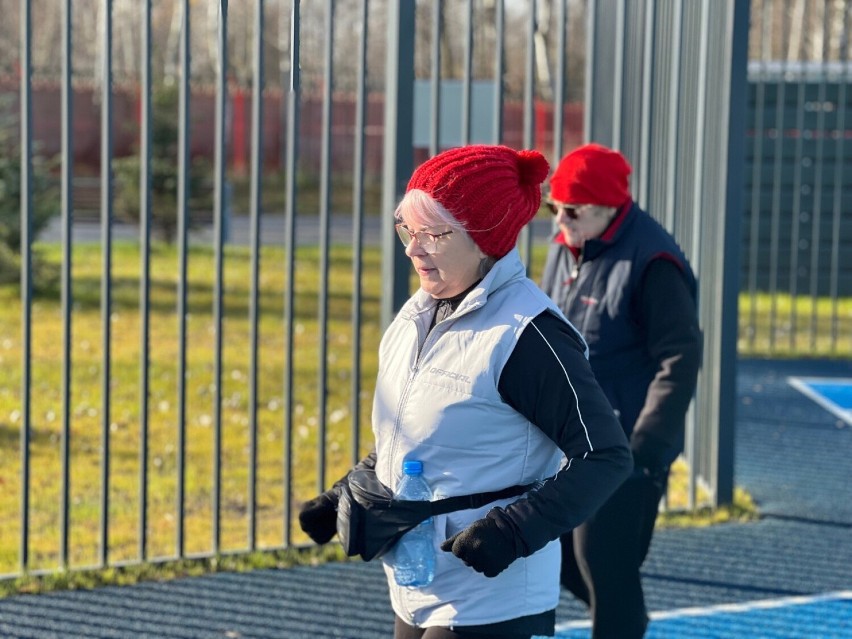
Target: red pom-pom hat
(494, 190)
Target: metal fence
(669, 86)
(748, 165)
(181, 400)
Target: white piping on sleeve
(568, 379)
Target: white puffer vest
(437, 401)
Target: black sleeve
(670, 320)
(548, 380)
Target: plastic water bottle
(414, 554)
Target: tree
(164, 170)
(44, 202)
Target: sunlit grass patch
(678, 513)
(89, 426)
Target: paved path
(272, 230)
(792, 455)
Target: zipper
(574, 293)
(572, 279)
(421, 348)
(412, 373)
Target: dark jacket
(632, 295)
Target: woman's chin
(436, 289)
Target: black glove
(318, 518)
(488, 545)
(649, 453)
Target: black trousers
(601, 557)
(402, 630)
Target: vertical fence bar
(499, 69)
(669, 195)
(398, 150)
(798, 177)
(435, 96)
(682, 192)
(589, 122)
(698, 188)
(183, 227)
(525, 239)
(145, 272)
(67, 293)
(284, 74)
(529, 80)
(467, 66)
(106, 275)
(837, 201)
(358, 225)
(559, 88)
(219, 213)
(700, 149)
(26, 274)
(728, 226)
(685, 158)
(757, 171)
(816, 214)
(618, 76)
(256, 210)
(674, 112)
(325, 205)
(290, 255)
(778, 157)
(645, 126)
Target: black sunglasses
(554, 208)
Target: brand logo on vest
(588, 301)
(452, 375)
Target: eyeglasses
(570, 211)
(427, 241)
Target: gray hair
(421, 209)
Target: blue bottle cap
(412, 467)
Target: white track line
(763, 604)
(801, 385)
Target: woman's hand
(318, 518)
(485, 545)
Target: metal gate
(180, 400)
(668, 89)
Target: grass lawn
(805, 326)
(87, 405)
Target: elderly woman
(483, 380)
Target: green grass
(86, 421)
(159, 571)
(678, 514)
(86, 412)
(783, 326)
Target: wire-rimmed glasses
(426, 240)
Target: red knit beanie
(494, 190)
(591, 174)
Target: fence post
(706, 178)
(730, 267)
(398, 150)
